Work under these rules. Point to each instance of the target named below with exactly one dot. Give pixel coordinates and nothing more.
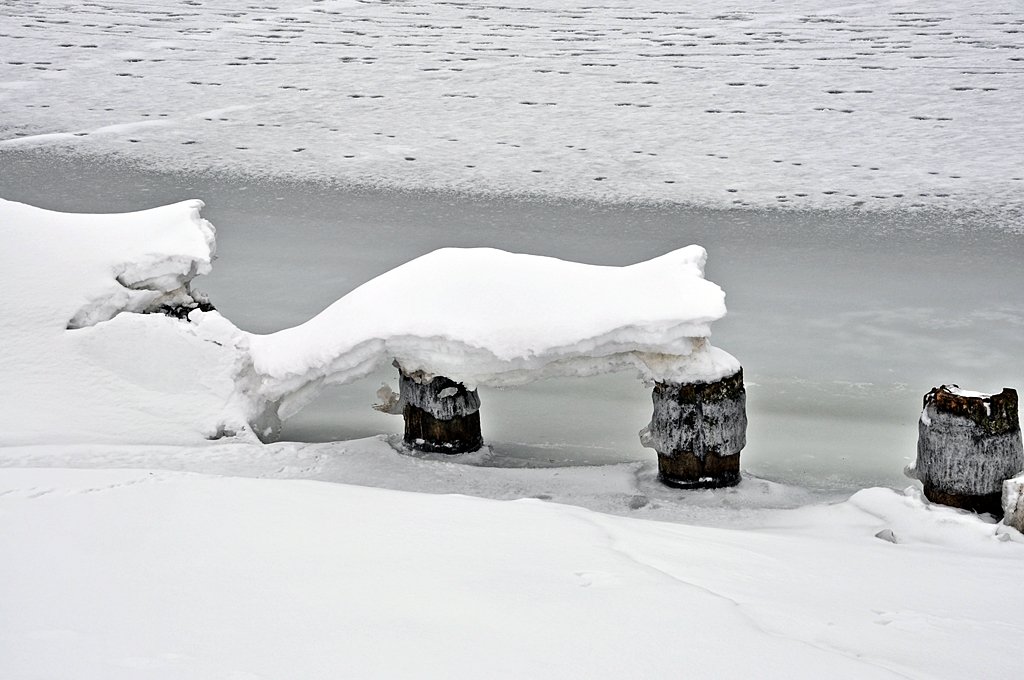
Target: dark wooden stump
(441, 416)
(698, 430)
(968, 445)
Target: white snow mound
(485, 316)
(72, 372)
(106, 264)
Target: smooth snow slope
(124, 574)
(814, 103)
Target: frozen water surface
(841, 320)
(810, 104)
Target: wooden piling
(698, 430)
(968, 444)
(441, 416)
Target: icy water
(842, 320)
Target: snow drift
(487, 317)
(86, 350)
(76, 369)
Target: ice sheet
(812, 104)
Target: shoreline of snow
(122, 303)
(628, 489)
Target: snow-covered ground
(134, 573)
(804, 104)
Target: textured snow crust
(807, 104)
(75, 355)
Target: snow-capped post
(441, 415)
(969, 443)
(698, 430)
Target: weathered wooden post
(968, 444)
(698, 430)
(441, 416)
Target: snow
(1013, 508)
(116, 573)
(477, 316)
(232, 559)
(482, 316)
(72, 370)
(630, 489)
(127, 262)
(823, 104)
(270, 563)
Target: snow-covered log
(698, 430)
(441, 416)
(969, 443)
